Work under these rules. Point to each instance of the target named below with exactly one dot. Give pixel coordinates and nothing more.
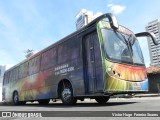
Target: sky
(36, 24)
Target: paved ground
(149, 103)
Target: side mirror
(145, 34)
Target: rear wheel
(102, 100)
(16, 99)
(67, 94)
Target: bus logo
(6, 114)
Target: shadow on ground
(60, 105)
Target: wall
(0, 92)
(154, 83)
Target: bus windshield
(120, 47)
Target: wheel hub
(16, 98)
(66, 94)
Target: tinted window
(34, 65)
(68, 50)
(6, 78)
(11, 77)
(23, 70)
(122, 47)
(16, 71)
(48, 59)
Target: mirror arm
(112, 20)
(145, 34)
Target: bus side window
(68, 50)
(49, 58)
(37, 64)
(11, 76)
(23, 70)
(34, 65)
(16, 73)
(7, 77)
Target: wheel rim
(15, 98)
(66, 94)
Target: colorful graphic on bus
(97, 61)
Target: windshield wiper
(126, 41)
(131, 42)
(121, 38)
(131, 39)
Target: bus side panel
(31, 86)
(70, 65)
(49, 90)
(44, 84)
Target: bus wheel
(15, 98)
(102, 100)
(44, 102)
(67, 94)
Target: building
(154, 50)
(2, 70)
(0, 91)
(84, 17)
(153, 74)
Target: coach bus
(97, 61)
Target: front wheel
(67, 95)
(102, 100)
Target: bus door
(92, 64)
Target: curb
(137, 96)
(147, 95)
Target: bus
(98, 61)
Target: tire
(16, 99)
(44, 102)
(102, 100)
(67, 94)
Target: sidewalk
(147, 95)
(137, 95)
